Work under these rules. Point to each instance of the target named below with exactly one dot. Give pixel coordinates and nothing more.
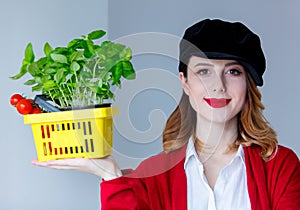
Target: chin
(218, 118)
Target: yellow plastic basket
(86, 133)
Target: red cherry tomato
(35, 110)
(15, 98)
(24, 106)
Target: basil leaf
(30, 82)
(23, 71)
(58, 58)
(90, 46)
(49, 84)
(74, 66)
(76, 56)
(128, 71)
(29, 55)
(126, 54)
(42, 62)
(116, 73)
(37, 88)
(33, 69)
(47, 49)
(50, 71)
(96, 34)
(58, 77)
(74, 43)
(38, 80)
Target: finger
(57, 164)
(37, 163)
(58, 167)
(67, 162)
(60, 162)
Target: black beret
(218, 39)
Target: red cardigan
(159, 183)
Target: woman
(219, 151)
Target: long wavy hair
(253, 128)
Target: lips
(217, 102)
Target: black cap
(218, 39)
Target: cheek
(196, 95)
(197, 90)
(243, 90)
(240, 92)
(197, 86)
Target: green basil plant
(80, 74)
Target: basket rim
(102, 112)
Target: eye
(234, 72)
(203, 71)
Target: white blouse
(230, 191)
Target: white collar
(191, 152)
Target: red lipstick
(217, 102)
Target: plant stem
(95, 66)
(64, 97)
(52, 99)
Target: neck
(217, 137)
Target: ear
(184, 83)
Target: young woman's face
(216, 88)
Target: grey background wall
(24, 186)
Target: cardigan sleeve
(131, 191)
(123, 193)
(158, 182)
(286, 182)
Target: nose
(219, 84)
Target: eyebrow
(203, 64)
(232, 63)
(209, 64)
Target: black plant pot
(86, 107)
(45, 104)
